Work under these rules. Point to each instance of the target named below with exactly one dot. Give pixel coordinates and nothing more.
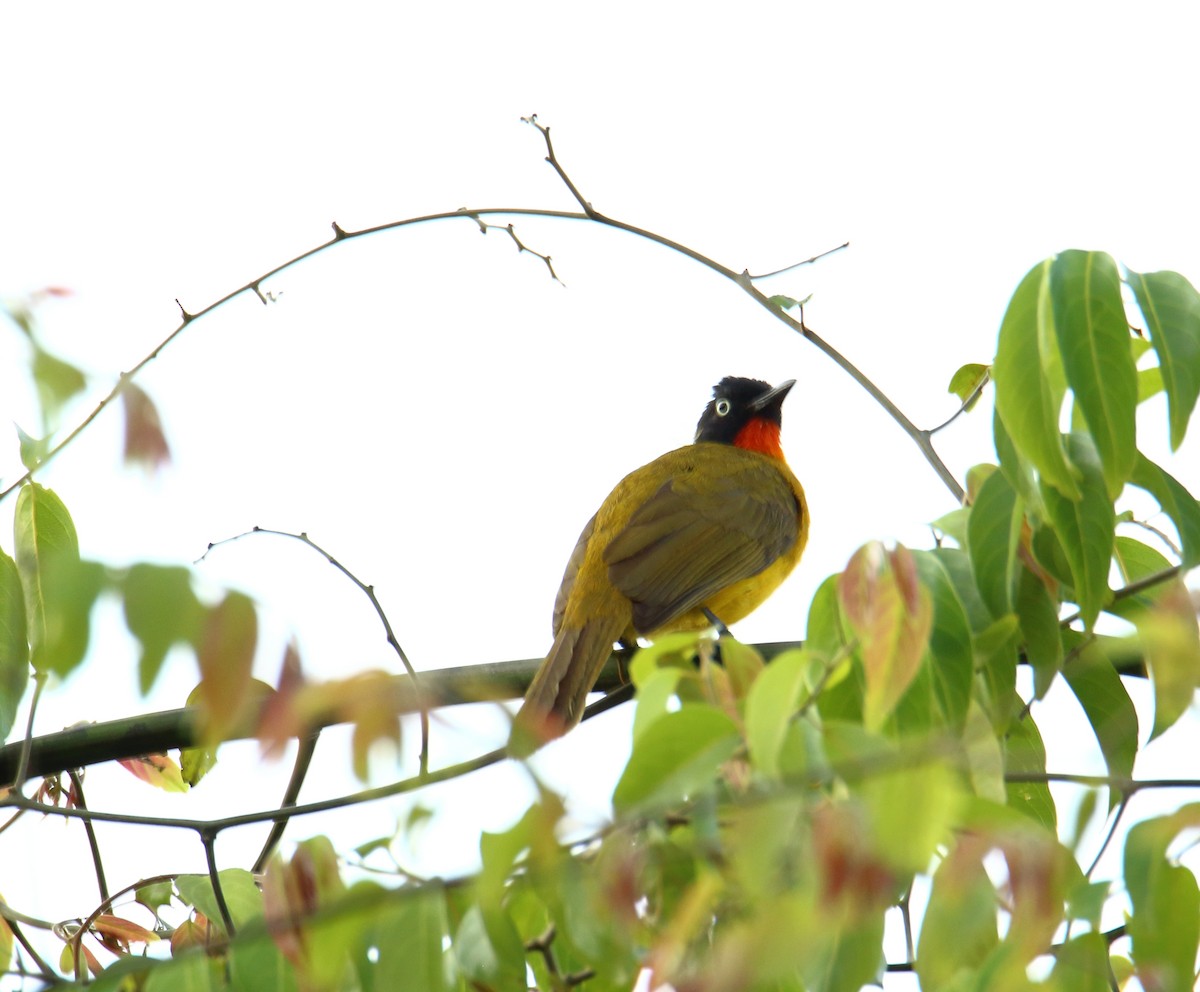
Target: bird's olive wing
(568, 582)
(694, 537)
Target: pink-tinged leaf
(157, 770)
(121, 932)
(294, 890)
(280, 720)
(892, 616)
(190, 934)
(145, 442)
(226, 655)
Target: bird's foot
(722, 630)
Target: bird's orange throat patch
(760, 435)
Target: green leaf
(1085, 528)
(259, 966)
(959, 929)
(950, 648)
(1176, 502)
(488, 949)
(242, 896)
(968, 382)
(996, 659)
(1029, 380)
(985, 761)
(851, 961)
(1025, 752)
(1093, 338)
(993, 532)
(161, 610)
(410, 941)
(1150, 383)
(676, 756)
(1171, 307)
(187, 973)
(770, 707)
(33, 449)
(57, 381)
(1081, 964)
(1107, 706)
(1165, 925)
(14, 643)
(913, 811)
(59, 588)
(154, 896)
(1017, 469)
(1037, 612)
(654, 696)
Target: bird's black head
(737, 402)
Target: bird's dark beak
(772, 398)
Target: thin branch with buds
(369, 592)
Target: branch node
(187, 317)
(338, 233)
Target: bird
(698, 537)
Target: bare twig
(742, 279)
(304, 754)
(81, 802)
(796, 265)
(18, 780)
(45, 970)
(1132, 589)
(1112, 831)
(209, 839)
(965, 405)
(369, 592)
(588, 209)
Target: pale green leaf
(1167, 633)
(242, 895)
(677, 756)
(959, 928)
(770, 707)
(1081, 964)
(1029, 383)
(59, 588)
(967, 383)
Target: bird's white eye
(723, 407)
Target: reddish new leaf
(145, 442)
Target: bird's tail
(556, 696)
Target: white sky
(436, 411)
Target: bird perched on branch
(701, 534)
